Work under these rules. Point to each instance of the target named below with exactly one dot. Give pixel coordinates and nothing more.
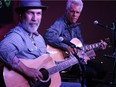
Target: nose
(34, 17)
(75, 13)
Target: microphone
(101, 25)
(61, 39)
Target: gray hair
(77, 2)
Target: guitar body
(58, 55)
(77, 42)
(55, 53)
(14, 79)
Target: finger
(71, 53)
(37, 75)
(40, 75)
(75, 50)
(101, 40)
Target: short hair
(77, 2)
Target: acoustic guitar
(46, 65)
(59, 55)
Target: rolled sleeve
(7, 52)
(9, 47)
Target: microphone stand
(82, 70)
(114, 51)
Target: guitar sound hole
(44, 73)
(44, 82)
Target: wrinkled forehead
(31, 10)
(35, 10)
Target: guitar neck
(63, 65)
(91, 46)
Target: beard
(31, 27)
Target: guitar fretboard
(91, 46)
(61, 66)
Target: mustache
(33, 23)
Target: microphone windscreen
(95, 22)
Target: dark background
(6, 13)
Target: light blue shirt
(18, 43)
(62, 28)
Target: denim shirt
(62, 28)
(18, 44)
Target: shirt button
(30, 50)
